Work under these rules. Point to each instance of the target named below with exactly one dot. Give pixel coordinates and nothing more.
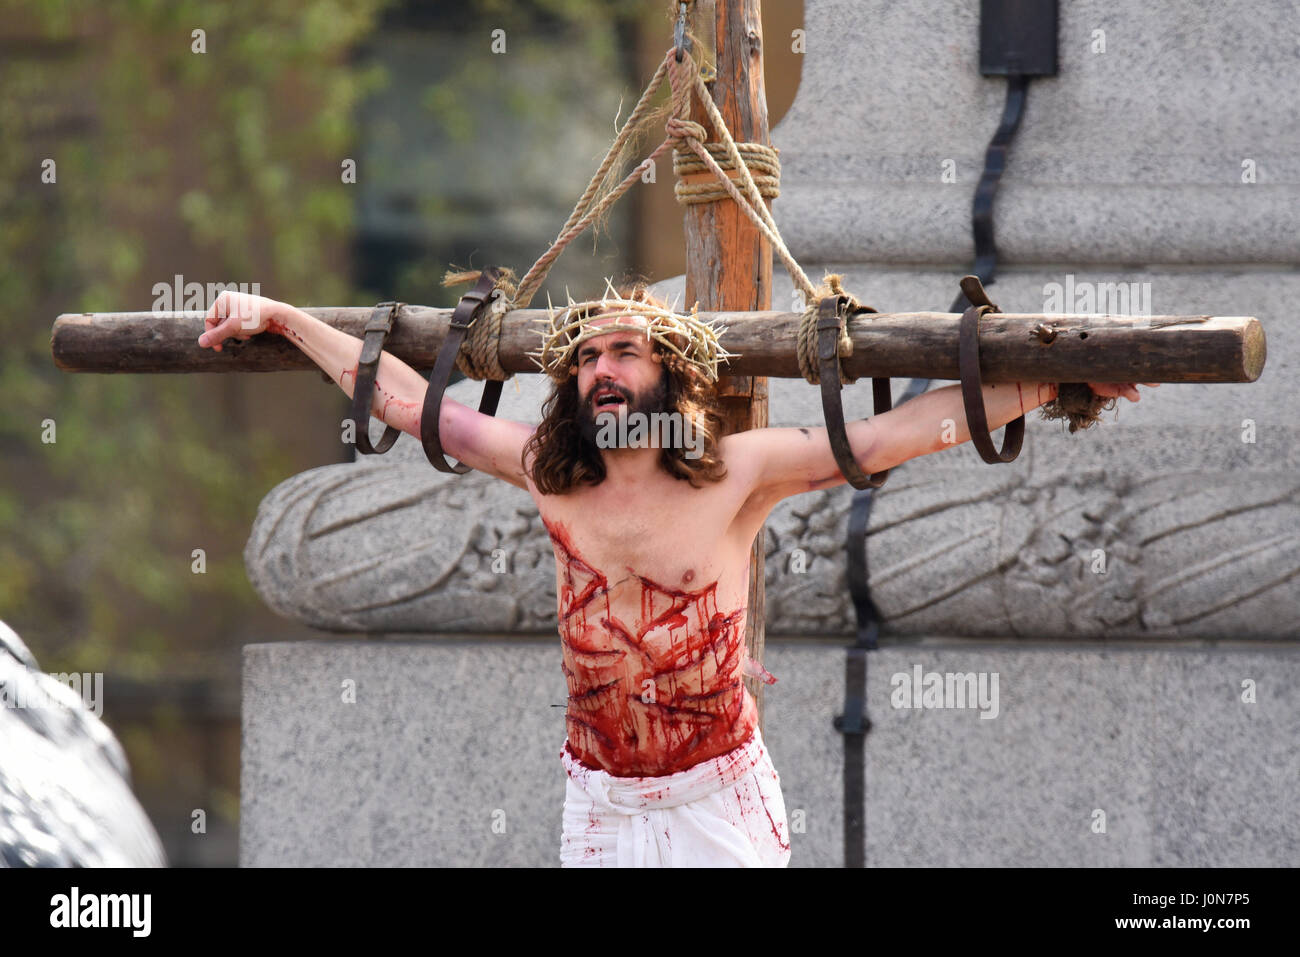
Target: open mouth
(607, 399)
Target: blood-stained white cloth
(724, 812)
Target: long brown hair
(564, 458)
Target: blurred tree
(138, 149)
(132, 150)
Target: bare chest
(681, 540)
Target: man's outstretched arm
(482, 442)
(785, 461)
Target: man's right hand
(238, 314)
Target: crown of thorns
(564, 330)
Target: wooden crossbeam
(1014, 347)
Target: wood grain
(1084, 349)
(728, 261)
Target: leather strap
(467, 311)
(972, 389)
(828, 373)
(372, 346)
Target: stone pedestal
(450, 755)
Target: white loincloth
(724, 812)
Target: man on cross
(665, 762)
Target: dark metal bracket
(681, 41)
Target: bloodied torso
(651, 603)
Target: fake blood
(388, 398)
(276, 326)
(657, 694)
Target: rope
(761, 161)
(480, 354)
(752, 201)
(680, 129)
(806, 338)
(580, 216)
(754, 207)
(481, 358)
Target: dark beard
(654, 400)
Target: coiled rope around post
(480, 354)
(685, 79)
(754, 207)
(760, 160)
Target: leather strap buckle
(467, 310)
(466, 313)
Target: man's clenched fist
(237, 314)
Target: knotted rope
(480, 354)
(692, 135)
(480, 359)
(686, 80)
(806, 339)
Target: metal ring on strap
(972, 390)
(467, 311)
(377, 329)
(828, 374)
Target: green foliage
(240, 146)
(234, 155)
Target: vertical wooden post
(728, 261)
